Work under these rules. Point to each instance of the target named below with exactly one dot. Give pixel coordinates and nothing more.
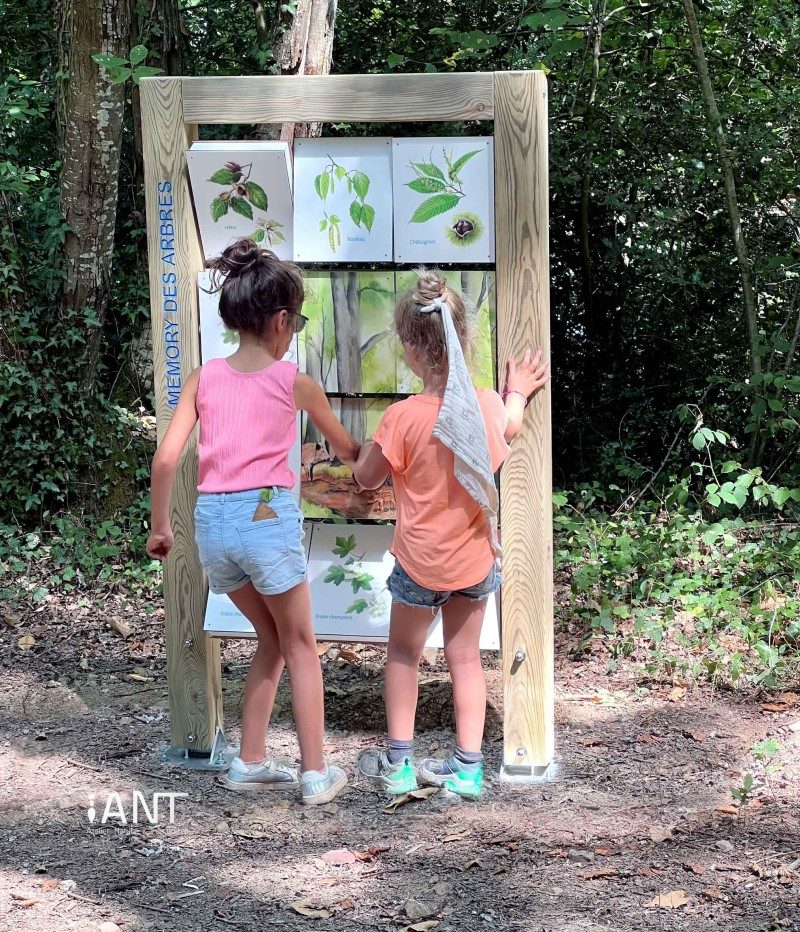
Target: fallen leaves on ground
(307, 909)
(425, 926)
(781, 703)
(727, 810)
(676, 693)
(422, 793)
(659, 833)
(672, 900)
(23, 900)
(26, 642)
(338, 857)
(697, 736)
(696, 869)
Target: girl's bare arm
(309, 396)
(165, 464)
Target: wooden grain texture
(338, 98)
(523, 319)
(193, 661)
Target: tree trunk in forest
(739, 245)
(91, 112)
(303, 44)
(347, 327)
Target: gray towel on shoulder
(461, 428)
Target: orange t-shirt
(441, 539)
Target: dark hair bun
(254, 285)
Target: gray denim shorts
(407, 592)
(254, 536)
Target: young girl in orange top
(441, 448)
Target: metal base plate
(218, 758)
(529, 774)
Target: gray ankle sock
(399, 750)
(468, 760)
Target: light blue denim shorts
(238, 546)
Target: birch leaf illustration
(322, 184)
(438, 204)
(357, 212)
(361, 184)
(368, 216)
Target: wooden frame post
(517, 102)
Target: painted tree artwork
(327, 487)
(444, 199)
(343, 200)
(478, 287)
(242, 189)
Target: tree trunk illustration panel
(478, 289)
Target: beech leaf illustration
(361, 184)
(429, 169)
(258, 236)
(460, 162)
(356, 212)
(218, 208)
(438, 204)
(257, 195)
(368, 216)
(426, 185)
(225, 176)
(240, 206)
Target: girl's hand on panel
(523, 380)
(529, 375)
(159, 544)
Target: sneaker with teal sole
(394, 779)
(451, 776)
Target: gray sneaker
(318, 787)
(253, 778)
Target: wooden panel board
(338, 98)
(523, 311)
(193, 663)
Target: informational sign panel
(348, 566)
(242, 189)
(443, 199)
(343, 200)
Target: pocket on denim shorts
(264, 542)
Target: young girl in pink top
(248, 526)
(441, 448)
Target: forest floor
(637, 829)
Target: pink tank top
(247, 426)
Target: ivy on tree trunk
(91, 112)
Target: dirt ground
(636, 829)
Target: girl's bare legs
(407, 633)
(264, 674)
(463, 619)
(291, 612)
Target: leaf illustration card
(348, 568)
(343, 200)
(242, 189)
(444, 199)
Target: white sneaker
(321, 786)
(251, 778)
